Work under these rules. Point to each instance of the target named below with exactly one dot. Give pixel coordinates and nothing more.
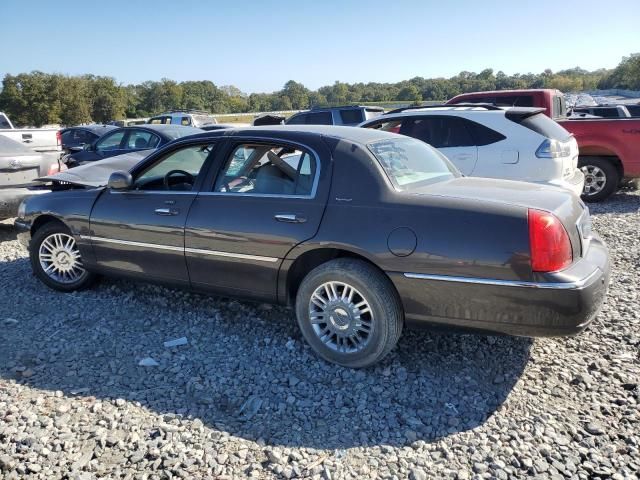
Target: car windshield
(410, 163)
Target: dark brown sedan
(363, 232)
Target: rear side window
(351, 116)
(140, 140)
(299, 119)
(311, 118)
(483, 135)
(319, 118)
(606, 112)
(439, 132)
(543, 125)
(268, 169)
(370, 113)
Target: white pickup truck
(37, 139)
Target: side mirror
(120, 180)
(88, 147)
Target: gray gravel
(88, 389)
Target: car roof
(300, 132)
(169, 131)
(453, 109)
(98, 129)
(343, 107)
(509, 92)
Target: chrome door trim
(200, 251)
(506, 283)
(132, 243)
(242, 256)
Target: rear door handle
(289, 218)
(166, 211)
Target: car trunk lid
(571, 211)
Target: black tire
(45, 232)
(386, 318)
(589, 165)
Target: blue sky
(259, 45)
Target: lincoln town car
(361, 232)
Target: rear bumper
(560, 304)
(11, 198)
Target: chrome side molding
(506, 283)
(198, 251)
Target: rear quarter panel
(452, 236)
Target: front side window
(411, 164)
(141, 139)
(110, 142)
(268, 169)
(178, 171)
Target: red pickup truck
(609, 147)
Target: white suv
(516, 143)
(187, 118)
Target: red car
(609, 147)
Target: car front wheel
(349, 312)
(55, 259)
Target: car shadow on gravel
(245, 369)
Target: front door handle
(166, 211)
(289, 218)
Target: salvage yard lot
(247, 398)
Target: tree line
(39, 98)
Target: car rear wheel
(349, 312)
(56, 260)
(601, 178)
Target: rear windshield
(543, 125)
(410, 163)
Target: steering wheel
(189, 178)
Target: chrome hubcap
(60, 258)
(594, 179)
(341, 317)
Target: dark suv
(350, 115)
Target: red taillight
(58, 138)
(549, 242)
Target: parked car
(187, 118)
(128, 139)
(74, 139)
(410, 243)
(515, 143)
(36, 139)
(19, 167)
(351, 115)
(608, 146)
(608, 111)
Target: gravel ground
(245, 397)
